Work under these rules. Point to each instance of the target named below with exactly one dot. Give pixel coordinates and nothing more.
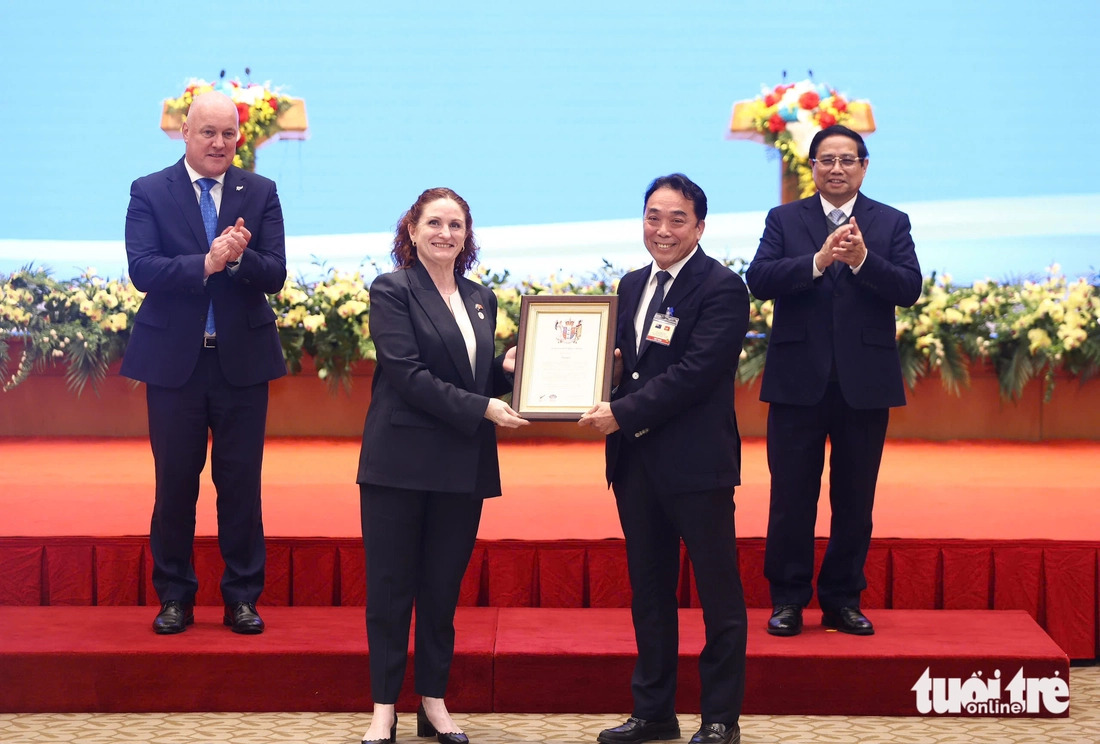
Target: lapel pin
(478, 306)
(240, 188)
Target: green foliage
(83, 323)
(1024, 330)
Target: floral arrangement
(83, 323)
(1026, 330)
(328, 321)
(789, 115)
(258, 108)
(509, 294)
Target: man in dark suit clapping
(204, 241)
(674, 458)
(836, 264)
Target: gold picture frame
(565, 355)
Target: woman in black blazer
(429, 454)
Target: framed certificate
(565, 355)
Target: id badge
(662, 328)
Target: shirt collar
(195, 175)
(674, 269)
(846, 207)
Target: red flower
(240, 140)
(839, 103)
(273, 102)
(772, 98)
(776, 124)
(825, 119)
(243, 112)
(809, 100)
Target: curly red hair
(404, 252)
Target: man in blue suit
(674, 458)
(837, 264)
(204, 241)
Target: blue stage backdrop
(559, 115)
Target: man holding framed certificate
(673, 460)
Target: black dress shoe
(425, 729)
(847, 620)
(393, 735)
(786, 620)
(717, 733)
(638, 729)
(243, 618)
(174, 617)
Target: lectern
(859, 118)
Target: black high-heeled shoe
(425, 729)
(393, 735)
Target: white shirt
(215, 190)
(462, 317)
(640, 318)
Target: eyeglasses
(828, 161)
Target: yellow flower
(89, 309)
(351, 308)
(313, 322)
(105, 299)
(968, 306)
(293, 296)
(506, 327)
(951, 315)
(1072, 336)
(1038, 339)
(115, 323)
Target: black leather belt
(209, 342)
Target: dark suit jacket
(166, 246)
(849, 314)
(425, 428)
(674, 404)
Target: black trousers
(182, 422)
(796, 459)
(653, 524)
(417, 544)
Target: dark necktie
(654, 305)
(210, 222)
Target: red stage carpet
(508, 660)
(555, 490)
(959, 526)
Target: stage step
(521, 660)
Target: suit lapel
(486, 344)
(690, 275)
(630, 298)
(813, 217)
(183, 193)
(685, 283)
(864, 212)
(234, 191)
(435, 307)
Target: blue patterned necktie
(210, 222)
